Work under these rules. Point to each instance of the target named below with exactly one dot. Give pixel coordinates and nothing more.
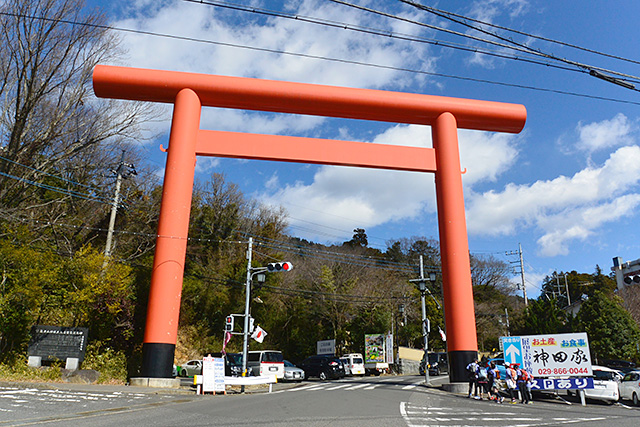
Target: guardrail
(260, 379)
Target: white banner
(388, 351)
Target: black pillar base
(458, 361)
(157, 360)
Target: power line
(318, 57)
(441, 12)
(376, 32)
(587, 68)
(48, 174)
(57, 189)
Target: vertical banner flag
(227, 338)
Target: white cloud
(564, 208)
(202, 21)
(605, 134)
(366, 197)
(579, 224)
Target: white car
(605, 385)
(630, 387)
(354, 362)
(292, 372)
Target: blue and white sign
(512, 349)
(562, 384)
(552, 355)
(213, 374)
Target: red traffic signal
(229, 324)
(279, 266)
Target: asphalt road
(369, 401)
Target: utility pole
(566, 287)
(421, 283)
(521, 262)
(120, 173)
(506, 315)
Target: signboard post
(51, 343)
(552, 355)
(374, 348)
(213, 374)
(326, 347)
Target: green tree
(612, 332)
(542, 316)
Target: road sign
(512, 349)
(326, 347)
(551, 355)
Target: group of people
(483, 379)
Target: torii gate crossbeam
(190, 92)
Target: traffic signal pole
(247, 301)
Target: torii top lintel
(301, 98)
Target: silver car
(191, 368)
(292, 372)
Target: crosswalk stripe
(355, 387)
(338, 387)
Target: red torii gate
(190, 92)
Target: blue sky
(566, 188)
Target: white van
(266, 362)
(354, 362)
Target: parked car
(354, 362)
(266, 362)
(189, 369)
(347, 368)
(323, 367)
(499, 362)
(232, 363)
(438, 364)
(605, 385)
(630, 387)
(292, 372)
(624, 366)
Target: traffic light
(632, 279)
(279, 266)
(229, 324)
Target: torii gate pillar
(189, 92)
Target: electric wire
(441, 12)
(585, 67)
(48, 174)
(324, 58)
(58, 189)
(378, 32)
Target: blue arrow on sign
(512, 349)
